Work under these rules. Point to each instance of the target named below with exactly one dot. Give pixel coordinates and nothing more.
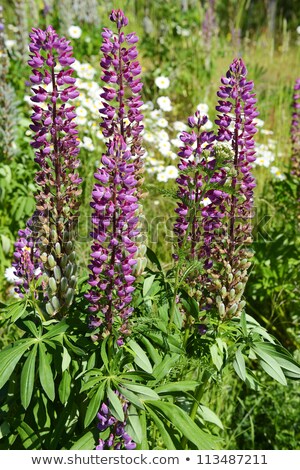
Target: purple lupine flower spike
(116, 193)
(56, 149)
(236, 127)
(295, 131)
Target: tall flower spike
(115, 195)
(236, 127)
(295, 131)
(56, 149)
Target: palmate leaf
(115, 405)
(185, 425)
(270, 365)
(27, 377)
(10, 356)
(134, 427)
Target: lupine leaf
(9, 358)
(182, 421)
(182, 386)
(27, 377)
(148, 284)
(94, 405)
(239, 364)
(86, 442)
(140, 357)
(134, 427)
(115, 405)
(162, 430)
(45, 372)
(64, 388)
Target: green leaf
(153, 258)
(239, 364)
(27, 377)
(163, 369)
(29, 438)
(190, 304)
(131, 397)
(208, 415)
(133, 426)
(4, 429)
(144, 392)
(215, 355)
(45, 372)
(94, 405)
(270, 365)
(162, 430)
(66, 359)
(140, 357)
(64, 388)
(182, 421)
(244, 323)
(182, 386)
(104, 353)
(9, 358)
(58, 329)
(16, 310)
(152, 352)
(75, 349)
(147, 284)
(115, 406)
(86, 442)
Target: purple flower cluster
(118, 438)
(116, 193)
(27, 264)
(216, 193)
(295, 131)
(191, 182)
(56, 149)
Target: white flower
(162, 122)
(81, 120)
(172, 155)
(179, 126)
(266, 132)
(100, 135)
(81, 111)
(164, 103)
(277, 173)
(171, 171)
(10, 43)
(162, 82)
(74, 32)
(10, 275)
(162, 177)
(87, 143)
(164, 147)
(298, 29)
(205, 202)
(203, 108)
(155, 114)
(177, 143)
(86, 71)
(162, 135)
(149, 137)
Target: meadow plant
(115, 197)
(56, 149)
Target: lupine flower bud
(115, 195)
(56, 144)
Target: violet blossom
(55, 141)
(118, 438)
(116, 194)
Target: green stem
(198, 395)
